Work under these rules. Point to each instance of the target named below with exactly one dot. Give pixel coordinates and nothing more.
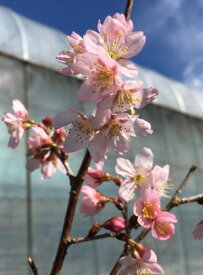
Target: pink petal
(87, 91)
(74, 142)
(84, 62)
(19, 107)
(66, 118)
(127, 190)
(144, 159)
(146, 96)
(100, 119)
(127, 68)
(142, 127)
(135, 42)
(48, 170)
(124, 167)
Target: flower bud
(115, 224)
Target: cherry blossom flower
(66, 57)
(159, 181)
(81, 133)
(17, 123)
(102, 75)
(129, 96)
(198, 232)
(137, 176)
(147, 264)
(163, 226)
(115, 224)
(147, 208)
(117, 38)
(115, 131)
(41, 155)
(92, 202)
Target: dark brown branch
(76, 184)
(32, 266)
(128, 9)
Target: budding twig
(32, 266)
(174, 201)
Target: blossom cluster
(102, 58)
(42, 145)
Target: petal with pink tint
(142, 127)
(87, 91)
(66, 118)
(127, 190)
(48, 170)
(16, 137)
(135, 41)
(127, 68)
(144, 159)
(84, 62)
(124, 167)
(19, 107)
(146, 96)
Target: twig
(180, 188)
(32, 266)
(195, 198)
(128, 9)
(93, 238)
(76, 184)
(69, 172)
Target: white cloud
(179, 25)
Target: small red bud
(115, 224)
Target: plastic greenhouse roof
(36, 43)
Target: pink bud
(115, 224)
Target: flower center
(115, 127)
(77, 48)
(138, 179)
(162, 228)
(140, 269)
(149, 210)
(115, 46)
(103, 76)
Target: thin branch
(69, 172)
(76, 184)
(180, 188)
(195, 198)
(32, 266)
(128, 9)
(185, 181)
(93, 238)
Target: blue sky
(174, 29)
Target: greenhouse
(32, 210)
